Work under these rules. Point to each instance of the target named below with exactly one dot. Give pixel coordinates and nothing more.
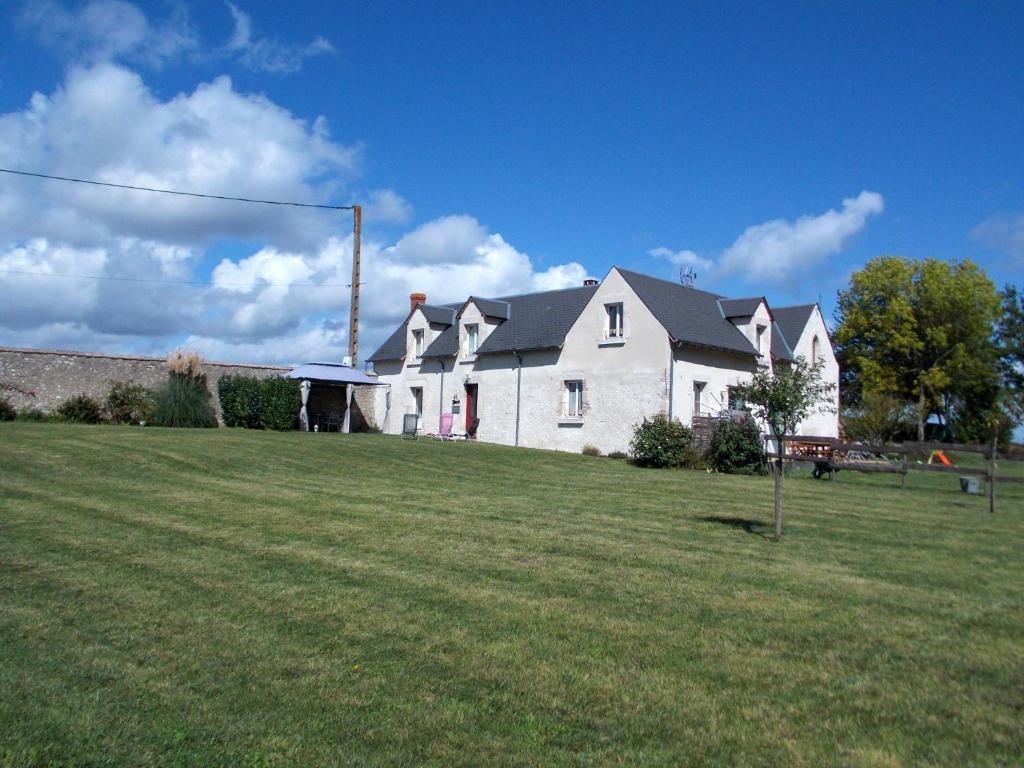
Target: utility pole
(353, 313)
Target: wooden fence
(831, 455)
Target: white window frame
(417, 405)
(698, 396)
(418, 337)
(760, 331)
(572, 404)
(615, 320)
(472, 338)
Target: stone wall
(44, 378)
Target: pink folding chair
(445, 429)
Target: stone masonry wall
(44, 378)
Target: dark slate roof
(442, 315)
(445, 345)
(538, 320)
(393, 347)
(793, 320)
(491, 307)
(739, 307)
(689, 315)
(780, 345)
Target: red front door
(470, 405)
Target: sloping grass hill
(222, 597)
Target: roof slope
(689, 315)
(740, 307)
(393, 347)
(538, 320)
(793, 320)
(781, 350)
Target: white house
(564, 369)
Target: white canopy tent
(331, 374)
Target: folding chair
(445, 429)
(410, 422)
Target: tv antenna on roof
(687, 276)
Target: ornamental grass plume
(188, 364)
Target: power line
(176, 192)
(254, 284)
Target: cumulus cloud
(265, 55)
(1004, 232)
(385, 206)
(682, 258)
(103, 30)
(769, 252)
(103, 123)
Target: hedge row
(246, 401)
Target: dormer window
(472, 338)
(760, 339)
(614, 328)
(417, 342)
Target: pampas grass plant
(184, 401)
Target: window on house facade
(614, 328)
(417, 405)
(417, 342)
(573, 399)
(815, 351)
(698, 396)
(736, 403)
(472, 338)
(760, 339)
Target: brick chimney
(415, 299)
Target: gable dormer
(753, 318)
(477, 319)
(424, 325)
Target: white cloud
(770, 252)
(104, 124)
(1004, 232)
(682, 258)
(385, 206)
(264, 55)
(104, 30)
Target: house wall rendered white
(822, 424)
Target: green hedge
(240, 401)
(81, 409)
(280, 401)
(253, 403)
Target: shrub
(660, 442)
(280, 402)
(591, 450)
(129, 403)
(240, 401)
(617, 455)
(737, 447)
(81, 409)
(34, 414)
(7, 412)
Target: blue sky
(498, 149)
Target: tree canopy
(921, 331)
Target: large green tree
(921, 331)
(1010, 341)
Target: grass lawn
(223, 597)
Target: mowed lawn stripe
(229, 597)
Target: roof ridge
(670, 282)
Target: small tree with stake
(783, 399)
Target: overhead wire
(211, 196)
